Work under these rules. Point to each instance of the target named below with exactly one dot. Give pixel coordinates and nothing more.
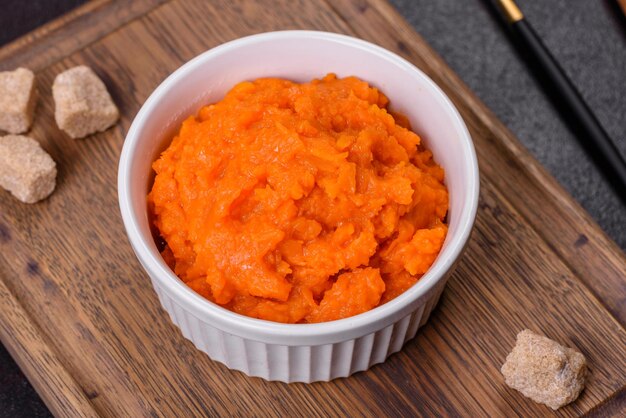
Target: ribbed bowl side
(298, 363)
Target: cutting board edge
(86, 23)
(568, 207)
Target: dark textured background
(587, 37)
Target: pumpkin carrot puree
(299, 202)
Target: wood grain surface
(79, 314)
(40, 362)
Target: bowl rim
(269, 331)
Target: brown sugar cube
(545, 371)
(82, 103)
(18, 97)
(26, 170)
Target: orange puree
(299, 202)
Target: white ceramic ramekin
(306, 352)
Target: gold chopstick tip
(510, 9)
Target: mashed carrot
(299, 202)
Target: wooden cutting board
(79, 315)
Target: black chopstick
(590, 131)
